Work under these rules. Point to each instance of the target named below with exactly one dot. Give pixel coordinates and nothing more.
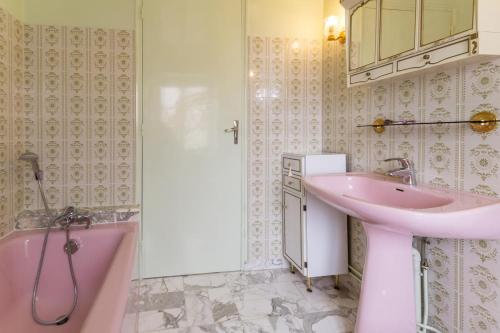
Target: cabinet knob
(427, 56)
(368, 74)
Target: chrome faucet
(71, 216)
(406, 172)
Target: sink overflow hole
(400, 190)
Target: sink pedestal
(387, 301)
(393, 213)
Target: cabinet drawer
(435, 56)
(293, 183)
(292, 163)
(372, 74)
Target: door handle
(235, 130)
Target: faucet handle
(71, 215)
(64, 218)
(85, 219)
(69, 211)
(405, 162)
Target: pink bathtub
(103, 267)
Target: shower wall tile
(80, 115)
(67, 94)
(284, 115)
(77, 121)
(11, 119)
(463, 275)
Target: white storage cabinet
(314, 233)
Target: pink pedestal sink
(392, 213)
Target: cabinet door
(362, 35)
(292, 226)
(397, 27)
(445, 18)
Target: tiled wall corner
(11, 119)
(67, 94)
(284, 114)
(80, 115)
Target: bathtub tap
(71, 216)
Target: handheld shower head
(33, 159)
(28, 157)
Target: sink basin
(391, 214)
(418, 210)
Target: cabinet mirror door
(445, 18)
(397, 27)
(363, 24)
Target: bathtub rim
(108, 309)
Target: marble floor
(258, 301)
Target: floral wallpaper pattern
(464, 275)
(11, 119)
(80, 115)
(284, 114)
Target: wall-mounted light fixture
(334, 29)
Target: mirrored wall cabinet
(393, 37)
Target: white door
(192, 171)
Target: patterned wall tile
(329, 95)
(296, 95)
(342, 120)
(442, 256)
(80, 114)
(481, 163)
(441, 93)
(32, 81)
(11, 119)
(441, 149)
(77, 123)
(407, 106)
(257, 150)
(360, 138)
(123, 118)
(357, 244)
(381, 144)
(276, 145)
(314, 82)
(284, 113)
